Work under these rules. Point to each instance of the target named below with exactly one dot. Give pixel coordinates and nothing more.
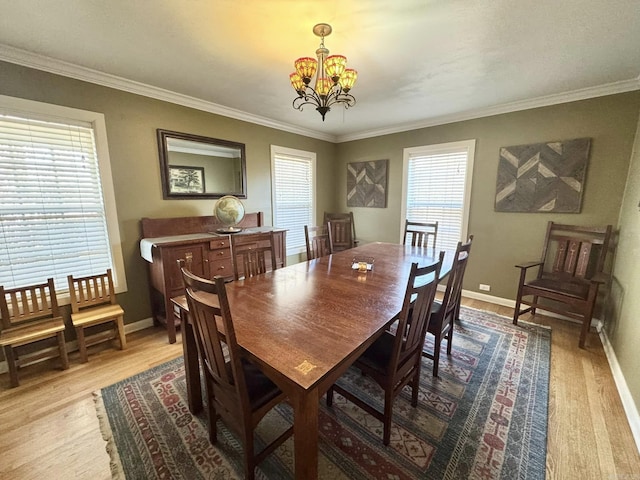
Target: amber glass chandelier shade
(306, 67)
(348, 79)
(296, 82)
(323, 85)
(334, 66)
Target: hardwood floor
(49, 429)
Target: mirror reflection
(193, 166)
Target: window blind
(293, 197)
(436, 192)
(52, 214)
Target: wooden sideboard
(166, 241)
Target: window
(293, 190)
(437, 187)
(57, 209)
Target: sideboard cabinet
(194, 240)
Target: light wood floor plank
(49, 429)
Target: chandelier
(333, 81)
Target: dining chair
(445, 312)
(343, 230)
(93, 302)
(569, 274)
(30, 314)
(237, 390)
(253, 254)
(419, 233)
(394, 359)
(318, 240)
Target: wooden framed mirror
(193, 166)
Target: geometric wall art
(542, 177)
(367, 184)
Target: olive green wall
(623, 318)
(131, 122)
(503, 239)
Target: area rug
(485, 417)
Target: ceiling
(419, 62)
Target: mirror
(193, 166)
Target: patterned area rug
(484, 418)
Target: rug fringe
(117, 471)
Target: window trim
(305, 155)
(470, 147)
(57, 113)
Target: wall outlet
(486, 288)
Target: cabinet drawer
(220, 243)
(219, 254)
(222, 267)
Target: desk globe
(229, 210)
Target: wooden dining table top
(309, 321)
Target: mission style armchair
(569, 274)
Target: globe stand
(229, 211)
(229, 230)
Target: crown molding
(59, 67)
(66, 69)
(572, 96)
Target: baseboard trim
(630, 409)
(73, 345)
(505, 302)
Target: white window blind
(52, 213)
(293, 193)
(437, 188)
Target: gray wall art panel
(542, 177)
(367, 184)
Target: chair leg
(436, 354)
(533, 308)
(415, 384)
(82, 345)
(388, 414)
(9, 355)
(211, 410)
(450, 338)
(330, 396)
(64, 358)
(586, 326)
(120, 328)
(516, 311)
(249, 454)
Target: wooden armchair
(30, 314)
(253, 254)
(237, 390)
(569, 274)
(419, 233)
(319, 241)
(395, 358)
(93, 302)
(343, 230)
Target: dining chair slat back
(253, 254)
(318, 241)
(417, 234)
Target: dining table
(305, 324)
